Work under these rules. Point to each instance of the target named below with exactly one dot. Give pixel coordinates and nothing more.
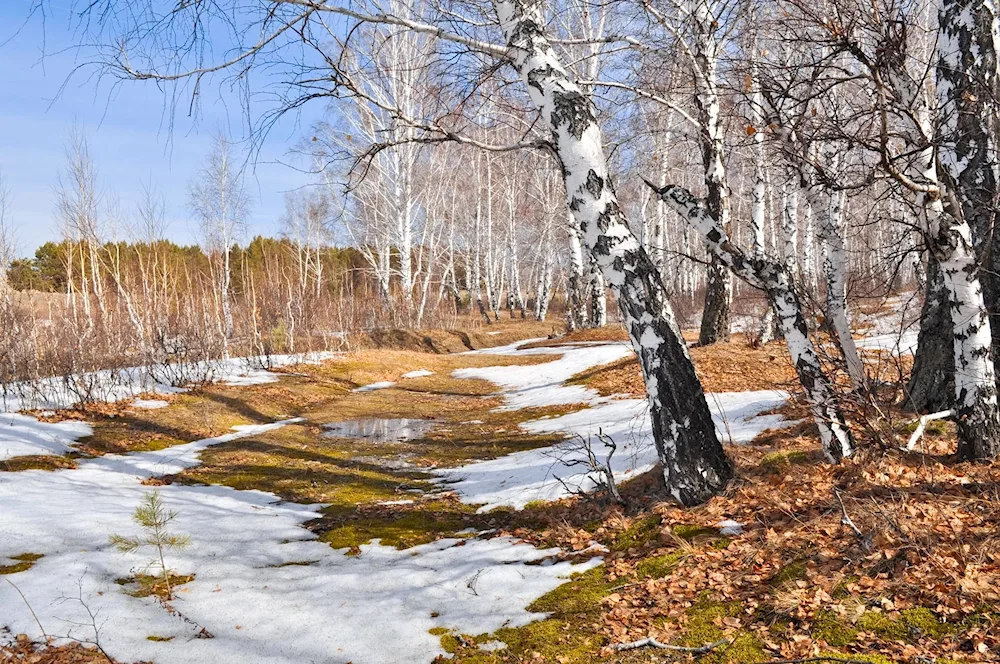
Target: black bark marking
(595, 184)
(572, 109)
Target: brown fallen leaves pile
(800, 580)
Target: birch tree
(219, 198)
(694, 464)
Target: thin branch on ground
(31, 610)
(650, 642)
(845, 519)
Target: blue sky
(127, 128)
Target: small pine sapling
(154, 518)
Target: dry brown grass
(730, 367)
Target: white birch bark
(694, 464)
(777, 281)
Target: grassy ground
(918, 585)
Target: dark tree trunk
(775, 279)
(715, 319)
(932, 379)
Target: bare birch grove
(801, 160)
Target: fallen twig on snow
(650, 642)
(921, 423)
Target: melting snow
(542, 384)
(150, 404)
(904, 343)
(21, 435)
(539, 474)
(419, 373)
(371, 387)
(259, 607)
(126, 383)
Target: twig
(28, 604)
(921, 423)
(650, 642)
(846, 520)
(820, 658)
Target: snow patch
(419, 373)
(371, 387)
(730, 528)
(150, 404)
(111, 386)
(539, 385)
(265, 587)
(22, 435)
(898, 343)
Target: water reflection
(380, 430)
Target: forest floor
(401, 505)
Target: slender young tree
(220, 200)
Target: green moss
(38, 462)
(657, 567)
(925, 621)
(640, 532)
(25, 561)
(689, 532)
(911, 625)
(832, 629)
(566, 635)
(702, 627)
(535, 504)
(793, 571)
(582, 594)
(871, 659)
(776, 460)
(399, 529)
(159, 639)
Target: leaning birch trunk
(777, 281)
(831, 236)
(695, 466)
(790, 226)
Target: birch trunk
(715, 320)
(969, 85)
(598, 297)
(967, 81)
(835, 269)
(931, 387)
(758, 199)
(694, 464)
(576, 308)
(777, 281)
